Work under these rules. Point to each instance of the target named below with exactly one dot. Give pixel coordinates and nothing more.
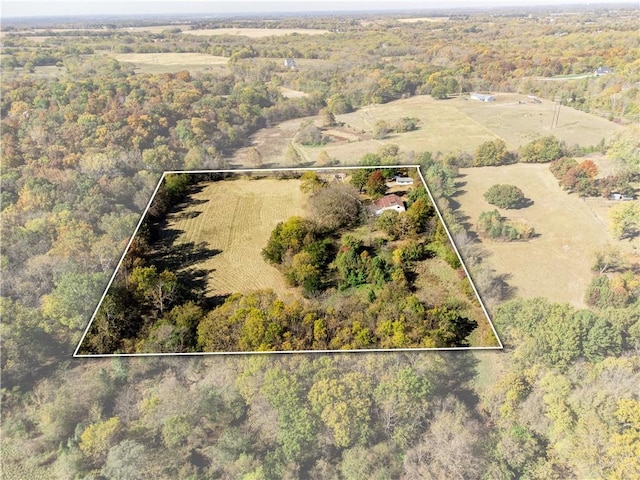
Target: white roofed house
(404, 180)
(388, 202)
(602, 71)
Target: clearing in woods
(237, 217)
(256, 32)
(557, 263)
(446, 126)
(172, 62)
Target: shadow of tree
(186, 215)
(501, 288)
(524, 203)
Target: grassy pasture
(423, 19)
(518, 124)
(557, 264)
(448, 126)
(237, 217)
(291, 93)
(257, 32)
(172, 62)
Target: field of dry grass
(237, 217)
(172, 62)
(557, 264)
(423, 19)
(454, 125)
(519, 123)
(257, 32)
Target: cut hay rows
(237, 218)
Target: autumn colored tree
(376, 184)
(542, 150)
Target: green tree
(352, 262)
(344, 404)
(504, 196)
(381, 129)
(359, 178)
(125, 461)
(491, 153)
(159, 288)
(74, 298)
(290, 236)
(98, 438)
(403, 400)
(419, 214)
(624, 220)
(439, 92)
(311, 183)
(542, 150)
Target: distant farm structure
(602, 71)
(290, 63)
(483, 97)
(404, 180)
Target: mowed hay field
(237, 217)
(557, 263)
(173, 62)
(446, 126)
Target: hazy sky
(119, 7)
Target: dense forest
(84, 142)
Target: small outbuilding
(602, 71)
(404, 180)
(289, 63)
(482, 97)
(388, 202)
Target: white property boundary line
(303, 169)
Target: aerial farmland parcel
(243, 262)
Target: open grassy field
(257, 32)
(519, 123)
(172, 62)
(557, 264)
(446, 126)
(291, 93)
(237, 217)
(423, 19)
(443, 127)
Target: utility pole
(556, 113)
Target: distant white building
(482, 97)
(388, 202)
(289, 63)
(404, 180)
(602, 71)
